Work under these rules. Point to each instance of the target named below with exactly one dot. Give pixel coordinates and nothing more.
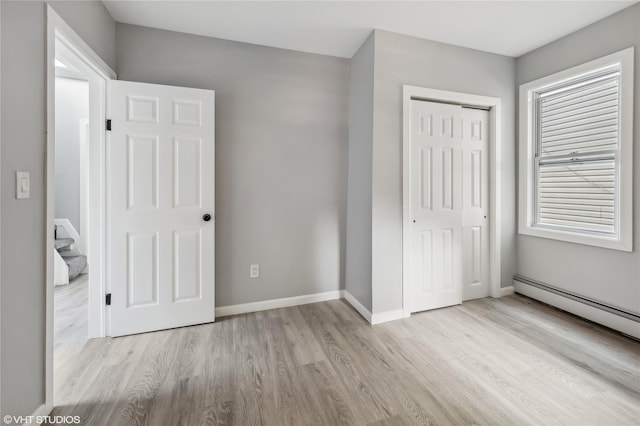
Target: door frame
(85, 190)
(410, 93)
(0, 221)
(58, 31)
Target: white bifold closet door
(161, 194)
(449, 195)
(475, 203)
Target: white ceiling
(338, 28)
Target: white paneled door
(448, 193)
(475, 203)
(161, 207)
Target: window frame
(527, 194)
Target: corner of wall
(359, 206)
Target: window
(576, 154)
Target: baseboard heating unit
(610, 316)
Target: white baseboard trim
(506, 291)
(366, 314)
(616, 322)
(225, 311)
(373, 318)
(39, 414)
(396, 314)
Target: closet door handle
(206, 217)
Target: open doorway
(71, 258)
(77, 81)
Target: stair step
(69, 252)
(76, 265)
(62, 243)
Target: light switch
(254, 271)
(23, 186)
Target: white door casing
(436, 205)
(160, 186)
(475, 203)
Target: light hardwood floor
(71, 312)
(506, 361)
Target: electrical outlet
(254, 271)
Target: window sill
(573, 237)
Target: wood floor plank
(70, 312)
(366, 397)
(291, 401)
(300, 337)
(509, 361)
(110, 384)
(143, 395)
(334, 400)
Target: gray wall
(23, 221)
(358, 267)
(23, 227)
(281, 156)
(72, 106)
(407, 60)
(606, 275)
(93, 23)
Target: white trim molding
(0, 232)
(39, 414)
(85, 193)
(244, 308)
(359, 307)
(495, 202)
(592, 313)
(65, 34)
(387, 316)
(225, 311)
(506, 291)
(623, 238)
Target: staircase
(75, 261)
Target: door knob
(206, 217)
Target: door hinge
(108, 299)
(109, 125)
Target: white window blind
(576, 154)
(577, 133)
